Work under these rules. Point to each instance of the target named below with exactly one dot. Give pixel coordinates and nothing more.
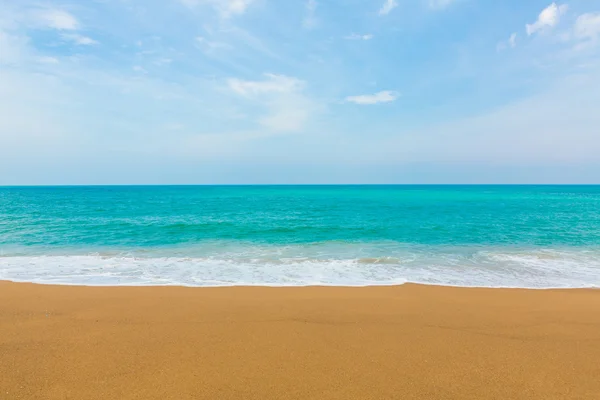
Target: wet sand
(406, 342)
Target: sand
(406, 342)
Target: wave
(332, 264)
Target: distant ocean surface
(485, 236)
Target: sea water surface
(488, 236)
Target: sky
(299, 91)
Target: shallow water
(492, 236)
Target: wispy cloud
(510, 43)
(271, 84)
(57, 19)
(310, 20)
(48, 60)
(287, 108)
(544, 128)
(387, 7)
(249, 40)
(587, 27)
(162, 61)
(13, 48)
(288, 115)
(356, 36)
(83, 99)
(79, 39)
(61, 20)
(210, 45)
(548, 18)
(139, 69)
(236, 6)
(226, 8)
(385, 96)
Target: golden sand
(406, 342)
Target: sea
(472, 236)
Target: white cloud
(79, 39)
(12, 48)
(248, 40)
(356, 36)
(557, 125)
(140, 69)
(548, 18)
(226, 8)
(57, 19)
(310, 21)
(287, 108)
(163, 61)
(237, 6)
(387, 7)
(47, 60)
(385, 96)
(587, 26)
(510, 43)
(272, 84)
(210, 45)
(32, 113)
(288, 116)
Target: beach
(401, 342)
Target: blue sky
(264, 91)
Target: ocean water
(485, 236)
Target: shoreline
(408, 341)
(260, 285)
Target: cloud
(210, 45)
(356, 36)
(237, 6)
(13, 48)
(587, 26)
(510, 43)
(54, 96)
(33, 106)
(57, 19)
(387, 7)
(163, 61)
(548, 18)
(287, 108)
(140, 69)
(249, 41)
(48, 60)
(558, 125)
(385, 96)
(310, 21)
(271, 84)
(287, 116)
(79, 39)
(226, 8)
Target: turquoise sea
(492, 236)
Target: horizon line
(289, 184)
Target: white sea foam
(306, 266)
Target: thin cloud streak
(385, 96)
(387, 7)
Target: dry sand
(407, 342)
